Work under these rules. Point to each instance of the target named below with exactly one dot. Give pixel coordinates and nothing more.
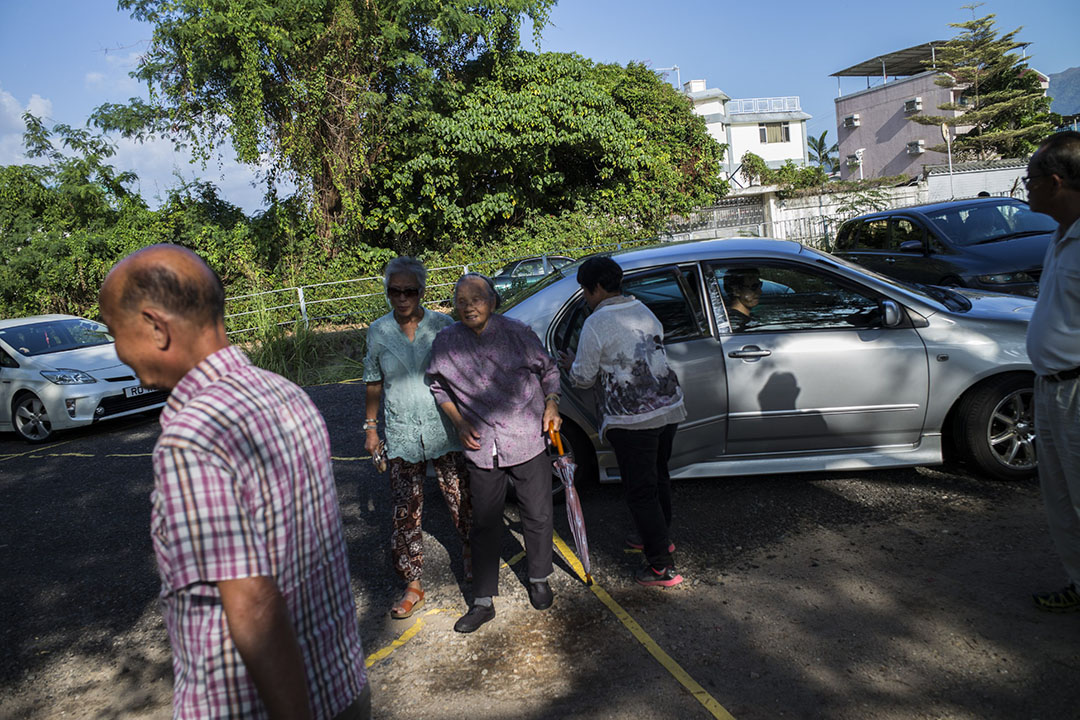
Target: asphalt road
(886, 594)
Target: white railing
(789, 103)
(358, 300)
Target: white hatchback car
(61, 371)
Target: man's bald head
(170, 277)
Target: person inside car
(742, 287)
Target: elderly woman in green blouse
(399, 347)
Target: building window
(774, 132)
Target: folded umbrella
(565, 467)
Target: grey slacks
(1057, 424)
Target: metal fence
(358, 300)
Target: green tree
(542, 134)
(1000, 99)
(822, 153)
(311, 89)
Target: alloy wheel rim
(1011, 431)
(32, 419)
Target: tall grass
(308, 356)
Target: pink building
(875, 132)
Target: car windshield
(990, 222)
(947, 297)
(42, 338)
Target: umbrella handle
(556, 439)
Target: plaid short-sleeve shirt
(243, 487)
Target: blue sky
(62, 58)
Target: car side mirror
(891, 310)
(911, 246)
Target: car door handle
(750, 351)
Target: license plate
(136, 391)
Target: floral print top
(622, 346)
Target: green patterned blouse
(416, 429)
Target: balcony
(763, 105)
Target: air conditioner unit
(851, 121)
(916, 148)
(913, 105)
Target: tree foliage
(822, 153)
(788, 176)
(313, 89)
(537, 135)
(1003, 110)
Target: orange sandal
(406, 606)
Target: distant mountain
(1065, 89)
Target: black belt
(1064, 375)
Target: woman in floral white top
(622, 346)
(399, 349)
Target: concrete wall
(885, 128)
(969, 183)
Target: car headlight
(66, 376)
(1005, 278)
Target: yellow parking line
(513, 560)
(350, 459)
(699, 693)
(29, 452)
(402, 639)
(130, 455)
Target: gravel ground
(887, 594)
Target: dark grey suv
(984, 243)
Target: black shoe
(540, 595)
(472, 620)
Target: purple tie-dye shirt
(498, 380)
(244, 488)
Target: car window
(674, 297)
(905, 230)
(559, 262)
(7, 361)
(672, 294)
(529, 267)
(42, 338)
(791, 298)
(874, 235)
(845, 238)
(987, 222)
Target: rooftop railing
(764, 105)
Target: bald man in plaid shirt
(245, 519)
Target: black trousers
(643, 465)
(532, 483)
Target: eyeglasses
(1028, 179)
(409, 292)
(754, 285)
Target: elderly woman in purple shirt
(494, 380)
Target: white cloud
(94, 80)
(12, 126)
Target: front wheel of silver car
(31, 419)
(999, 427)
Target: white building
(772, 128)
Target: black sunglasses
(409, 292)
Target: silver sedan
(833, 368)
(61, 371)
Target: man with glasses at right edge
(1053, 344)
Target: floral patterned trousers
(407, 497)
